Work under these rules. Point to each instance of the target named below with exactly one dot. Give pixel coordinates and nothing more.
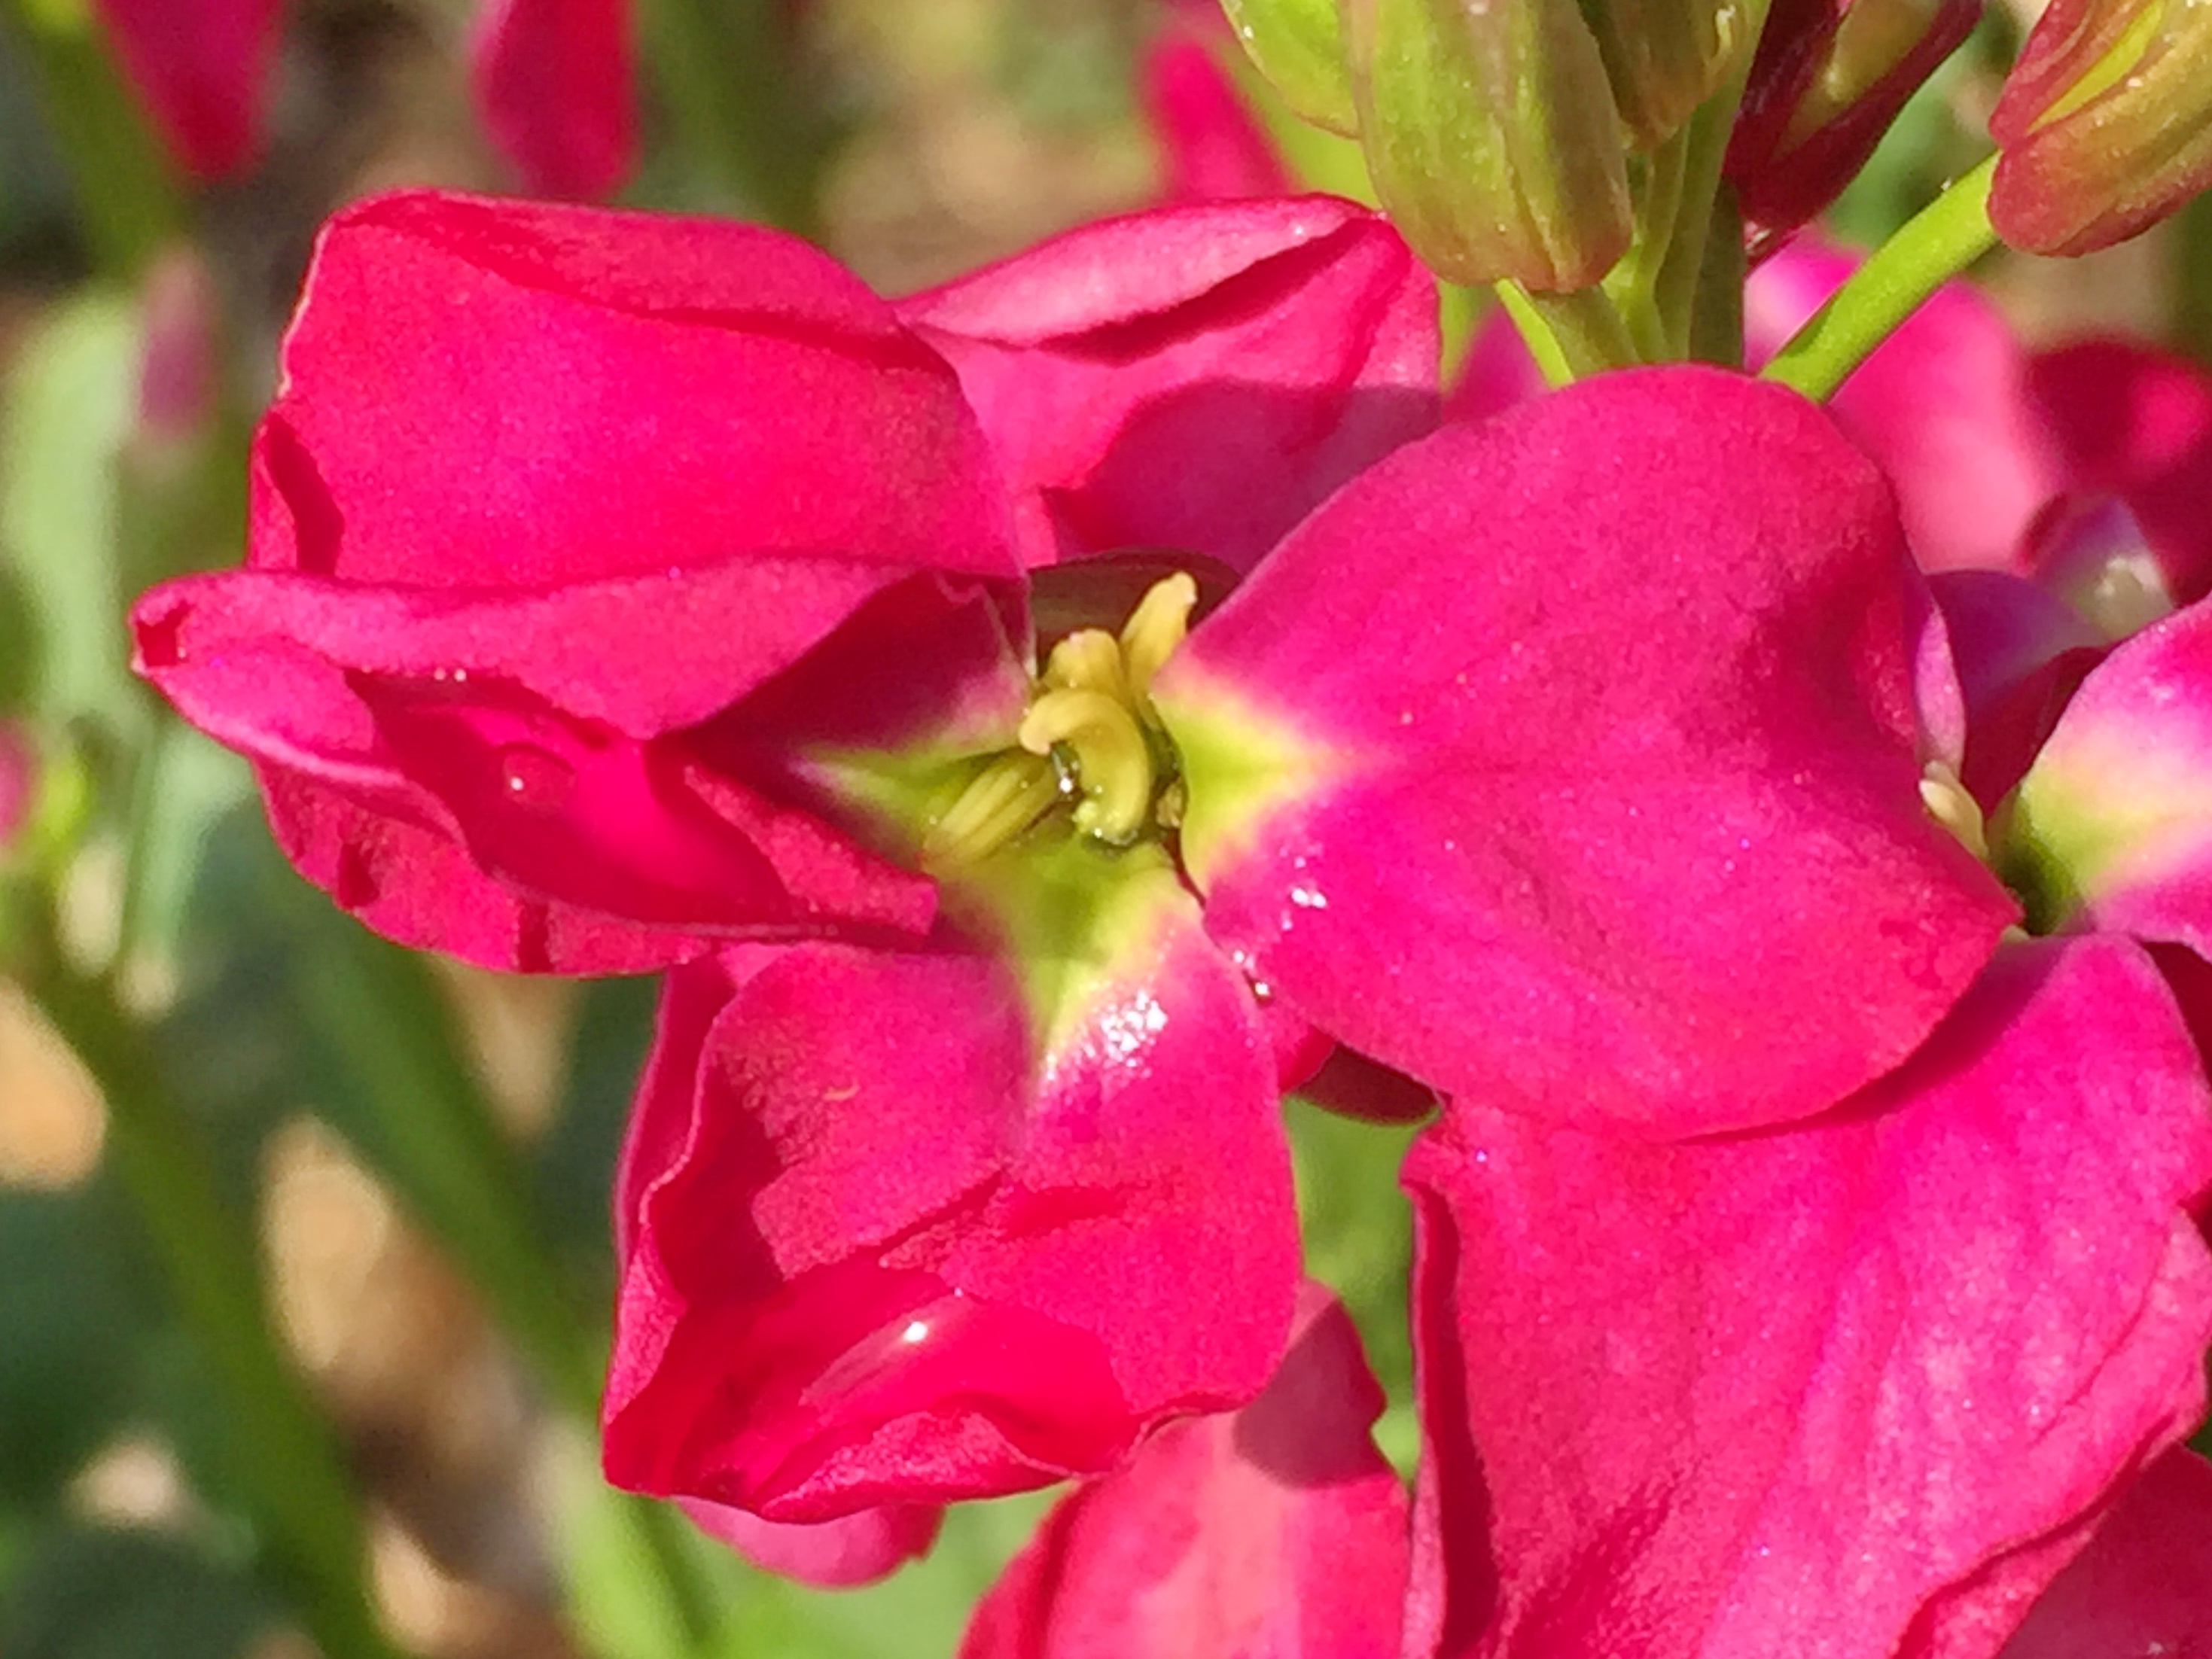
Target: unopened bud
(1299, 45)
(1490, 133)
(1663, 57)
(2105, 123)
(1829, 79)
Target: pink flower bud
(2105, 123)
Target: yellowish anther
(1003, 799)
(1950, 805)
(1155, 628)
(2126, 595)
(1113, 761)
(1089, 659)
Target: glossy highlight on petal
(887, 1240)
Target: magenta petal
(1568, 762)
(2113, 821)
(553, 85)
(2144, 1585)
(203, 67)
(414, 440)
(1212, 147)
(877, 1250)
(1193, 378)
(2135, 422)
(538, 679)
(441, 761)
(1943, 405)
(1276, 1532)
(853, 1549)
(2021, 651)
(1819, 1391)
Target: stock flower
(630, 591)
(552, 79)
(1210, 149)
(2104, 124)
(890, 1235)
(2144, 1585)
(1897, 1454)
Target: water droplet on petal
(531, 777)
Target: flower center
(1090, 744)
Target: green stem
(1716, 312)
(1935, 245)
(1704, 150)
(1633, 283)
(1535, 332)
(429, 1129)
(1569, 335)
(2192, 279)
(289, 1471)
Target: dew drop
(531, 777)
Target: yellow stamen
(1950, 805)
(1112, 760)
(1086, 660)
(1155, 628)
(1003, 799)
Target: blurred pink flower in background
(553, 80)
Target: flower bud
(2105, 123)
(1662, 57)
(1299, 45)
(1830, 77)
(1491, 135)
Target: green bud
(1493, 137)
(2104, 124)
(1663, 57)
(1299, 45)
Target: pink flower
(1984, 438)
(1996, 1299)
(202, 69)
(18, 781)
(808, 1296)
(552, 80)
(1211, 148)
(629, 592)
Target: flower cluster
(1037, 722)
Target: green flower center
(1091, 746)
